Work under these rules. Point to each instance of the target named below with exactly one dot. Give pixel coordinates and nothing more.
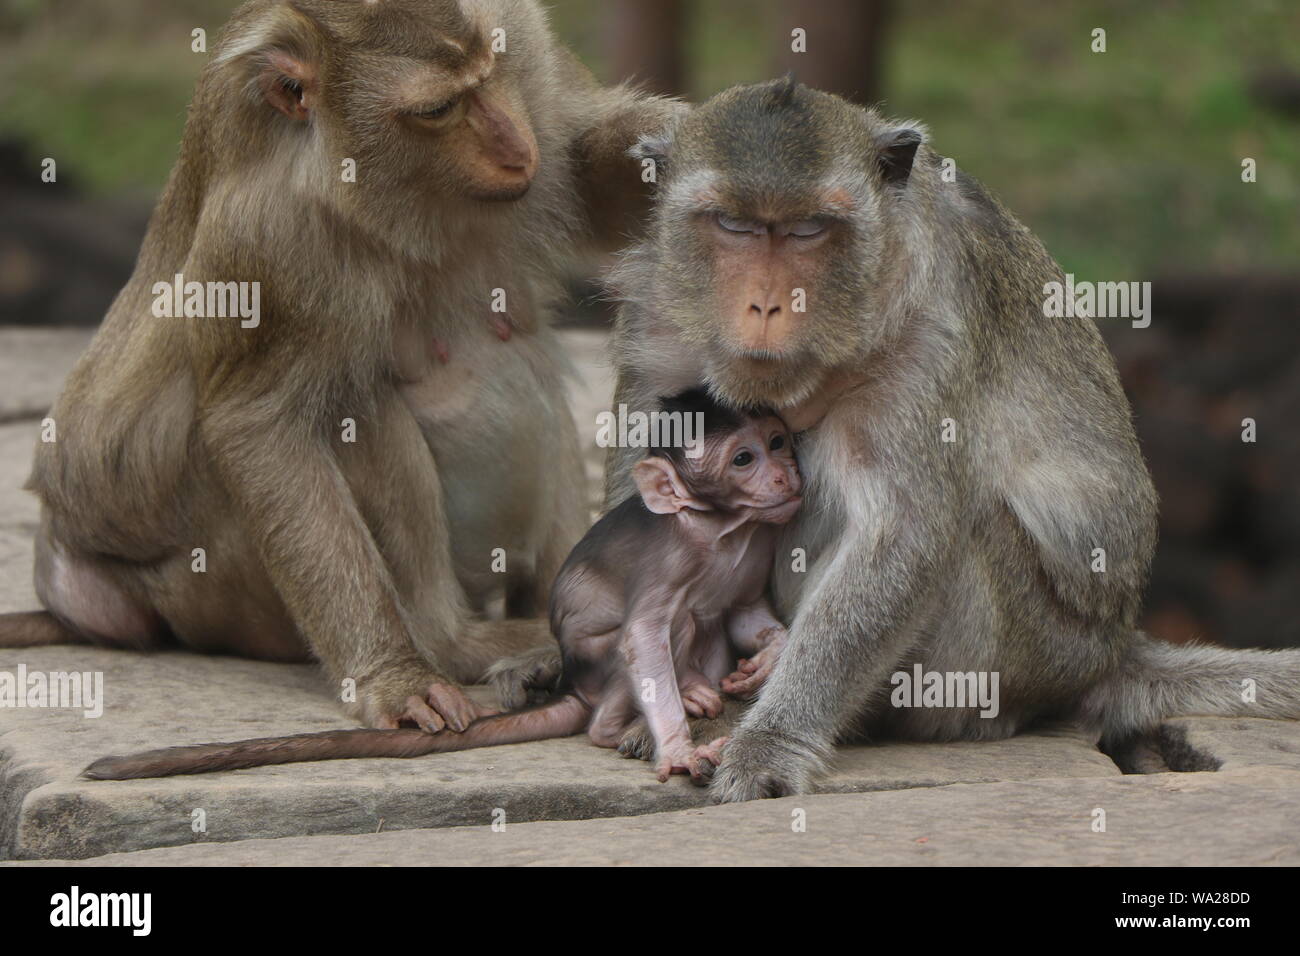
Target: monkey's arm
(323, 561)
(845, 638)
(615, 195)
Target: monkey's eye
(743, 459)
(441, 111)
(778, 442)
(732, 224)
(805, 228)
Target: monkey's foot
(675, 759)
(513, 678)
(760, 764)
(701, 700)
(705, 760)
(751, 674)
(637, 742)
(434, 704)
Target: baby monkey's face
(759, 471)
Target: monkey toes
(637, 742)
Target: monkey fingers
(705, 760)
(440, 704)
(701, 700)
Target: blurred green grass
(1126, 163)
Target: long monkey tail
(559, 718)
(36, 629)
(1162, 680)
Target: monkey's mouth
(780, 514)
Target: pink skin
(501, 326)
(705, 759)
(671, 603)
(768, 496)
(752, 673)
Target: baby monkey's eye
(778, 442)
(743, 459)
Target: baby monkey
(650, 610)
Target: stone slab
(1245, 817)
(151, 700)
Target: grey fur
(969, 556)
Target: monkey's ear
(289, 84)
(897, 151)
(661, 487)
(279, 54)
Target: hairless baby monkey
(650, 609)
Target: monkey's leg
(638, 743)
(89, 602)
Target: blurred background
(1128, 165)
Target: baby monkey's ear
(662, 489)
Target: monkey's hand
(752, 673)
(416, 694)
(759, 763)
(705, 761)
(699, 697)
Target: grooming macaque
(649, 610)
(388, 174)
(975, 499)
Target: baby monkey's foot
(674, 758)
(705, 759)
(637, 742)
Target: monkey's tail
(1162, 680)
(559, 718)
(36, 629)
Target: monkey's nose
(764, 311)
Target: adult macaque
(650, 610)
(332, 473)
(975, 497)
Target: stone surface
(33, 364)
(1158, 820)
(46, 810)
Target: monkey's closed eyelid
(732, 224)
(804, 228)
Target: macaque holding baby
(650, 609)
